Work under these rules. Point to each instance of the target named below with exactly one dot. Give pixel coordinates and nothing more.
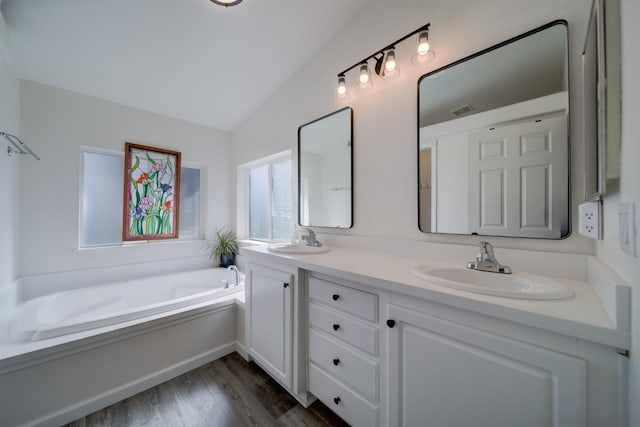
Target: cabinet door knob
(336, 326)
(285, 284)
(391, 323)
(336, 400)
(336, 361)
(335, 297)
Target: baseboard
(85, 407)
(241, 349)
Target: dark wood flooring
(228, 392)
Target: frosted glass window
(259, 220)
(189, 202)
(281, 201)
(101, 221)
(270, 201)
(101, 200)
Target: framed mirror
(493, 145)
(601, 92)
(325, 171)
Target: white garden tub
(83, 309)
(71, 353)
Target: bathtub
(83, 309)
(73, 352)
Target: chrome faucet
(234, 268)
(310, 238)
(486, 261)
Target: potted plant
(224, 248)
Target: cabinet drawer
(351, 331)
(358, 303)
(352, 408)
(344, 363)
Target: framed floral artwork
(151, 193)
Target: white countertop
(582, 316)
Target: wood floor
(229, 392)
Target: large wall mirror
(325, 165)
(493, 141)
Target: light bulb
(423, 43)
(390, 63)
(342, 88)
(364, 75)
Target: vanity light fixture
(226, 3)
(365, 77)
(342, 87)
(390, 63)
(386, 65)
(423, 43)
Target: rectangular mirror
(325, 171)
(493, 145)
(601, 91)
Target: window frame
(199, 236)
(244, 193)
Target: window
(101, 200)
(269, 209)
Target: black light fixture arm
(384, 49)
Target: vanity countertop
(582, 316)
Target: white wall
(57, 123)
(629, 191)
(385, 117)
(9, 122)
(9, 113)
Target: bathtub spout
(234, 268)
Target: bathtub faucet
(234, 268)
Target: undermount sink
(296, 248)
(517, 285)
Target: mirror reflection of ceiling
(327, 137)
(539, 69)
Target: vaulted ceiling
(189, 59)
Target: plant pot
(227, 260)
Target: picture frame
(151, 204)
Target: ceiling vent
(462, 110)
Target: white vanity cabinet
(381, 351)
(446, 374)
(344, 350)
(269, 298)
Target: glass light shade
(364, 75)
(342, 88)
(423, 43)
(390, 63)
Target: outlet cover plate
(590, 214)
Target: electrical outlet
(627, 227)
(589, 219)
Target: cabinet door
(270, 328)
(445, 374)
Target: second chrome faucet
(486, 261)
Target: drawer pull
(285, 284)
(336, 326)
(391, 323)
(336, 362)
(336, 400)
(335, 297)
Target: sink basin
(296, 249)
(517, 285)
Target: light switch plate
(590, 214)
(627, 227)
